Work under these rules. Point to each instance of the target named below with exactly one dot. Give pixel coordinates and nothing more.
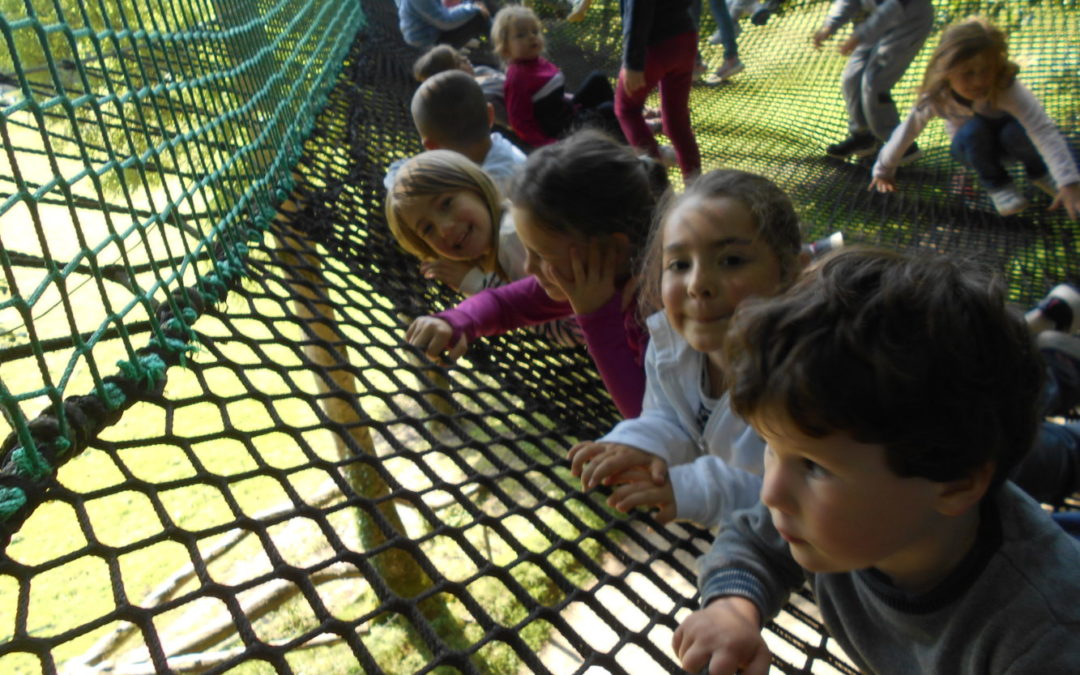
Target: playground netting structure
(220, 455)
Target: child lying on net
(581, 208)
(732, 235)
(895, 393)
(451, 113)
(442, 58)
(991, 117)
(447, 212)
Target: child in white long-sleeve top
(731, 236)
(881, 48)
(991, 117)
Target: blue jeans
(984, 144)
(719, 10)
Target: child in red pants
(659, 47)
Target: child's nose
(701, 285)
(774, 491)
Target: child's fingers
(459, 349)
(658, 471)
(581, 454)
(625, 498)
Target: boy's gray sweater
(1012, 606)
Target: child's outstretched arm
(725, 636)
(744, 580)
(434, 336)
(1068, 197)
(888, 159)
(839, 14)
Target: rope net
(306, 494)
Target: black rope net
(309, 495)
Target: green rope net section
(145, 144)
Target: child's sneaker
(822, 246)
(855, 145)
(699, 66)
(1061, 307)
(726, 71)
(913, 153)
(655, 124)
(1046, 184)
(1008, 200)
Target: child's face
(973, 78)
(456, 224)
(547, 252)
(713, 259)
(525, 40)
(841, 508)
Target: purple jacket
(615, 338)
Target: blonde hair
(960, 42)
(505, 19)
(435, 172)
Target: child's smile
(457, 225)
(713, 259)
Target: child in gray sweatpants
(881, 46)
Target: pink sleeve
(617, 344)
(520, 113)
(497, 310)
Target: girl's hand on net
(450, 272)
(433, 335)
(883, 184)
(593, 281)
(1068, 196)
(637, 489)
(598, 463)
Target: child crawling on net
(581, 208)
(991, 116)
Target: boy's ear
(957, 496)
(429, 144)
(491, 115)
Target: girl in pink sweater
(537, 105)
(582, 209)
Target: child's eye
(677, 265)
(732, 260)
(425, 229)
(813, 469)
